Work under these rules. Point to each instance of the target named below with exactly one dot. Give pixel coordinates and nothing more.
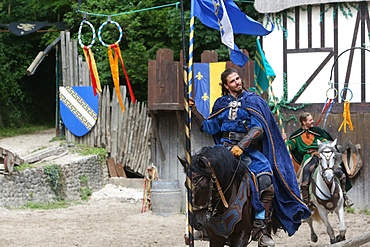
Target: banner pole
(187, 94)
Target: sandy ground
(112, 217)
(118, 221)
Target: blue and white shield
(78, 108)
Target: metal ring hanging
(335, 93)
(93, 34)
(341, 93)
(101, 28)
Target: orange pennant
(113, 61)
(95, 81)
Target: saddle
(224, 224)
(351, 158)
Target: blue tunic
(288, 205)
(240, 122)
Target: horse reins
(215, 180)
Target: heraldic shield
(78, 108)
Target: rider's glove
(236, 151)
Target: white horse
(326, 192)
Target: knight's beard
(237, 91)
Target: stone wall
(33, 185)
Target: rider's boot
(306, 195)
(260, 233)
(347, 202)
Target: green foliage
(16, 54)
(85, 191)
(350, 210)
(146, 28)
(87, 150)
(58, 138)
(365, 211)
(9, 132)
(23, 167)
(83, 179)
(55, 179)
(48, 205)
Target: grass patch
(58, 138)
(85, 191)
(10, 132)
(23, 167)
(86, 150)
(48, 205)
(365, 211)
(350, 210)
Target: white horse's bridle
(327, 164)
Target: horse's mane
(221, 159)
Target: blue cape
(288, 205)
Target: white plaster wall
(302, 65)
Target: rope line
(130, 12)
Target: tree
(147, 27)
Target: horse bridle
(213, 182)
(327, 155)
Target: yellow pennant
(346, 118)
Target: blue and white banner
(78, 108)
(225, 16)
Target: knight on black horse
(243, 122)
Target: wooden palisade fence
(125, 135)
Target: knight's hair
(224, 76)
(303, 117)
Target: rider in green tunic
(303, 147)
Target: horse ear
(183, 162)
(318, 142)
(334, 142)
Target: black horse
(221, 196)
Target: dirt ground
(119, 222)
(112, 220)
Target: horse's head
(328, 157)
(207, 166)
(200, 187)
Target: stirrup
(260, 234)
(266, 240)
(348, 203)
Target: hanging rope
(328, 105)
(346, 113)
(129, 12)
(89, 56)
(327, 113)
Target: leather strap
(234, 136)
